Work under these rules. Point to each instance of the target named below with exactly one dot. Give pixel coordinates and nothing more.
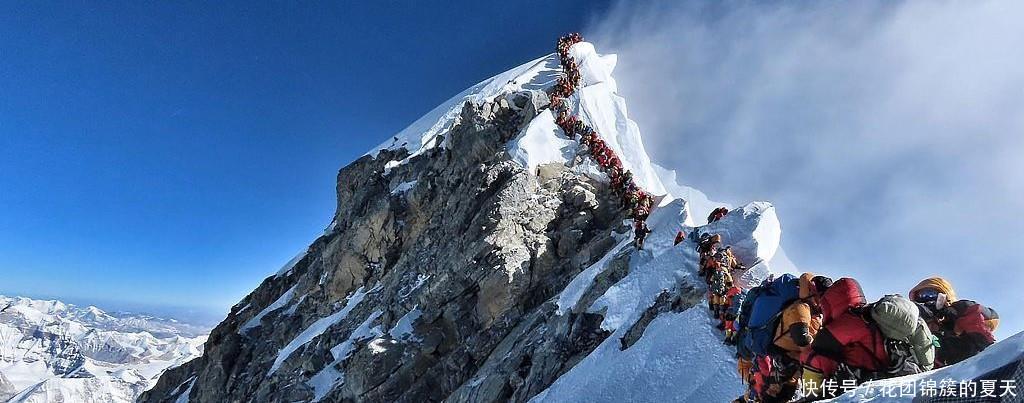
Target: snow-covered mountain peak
(476, 256)
(52, 351)
(426, 132)
(597, 103)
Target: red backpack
(861, 345)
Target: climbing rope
(637, 201)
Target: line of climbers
(799, 334)
(812, 338)
(636, 201)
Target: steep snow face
(752, 240)
(680, 356)
(52, 351)
(427, 131)
(542, 142)
(700, 206)
(597, 103)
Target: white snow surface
(680, 356)
(542, 142)
(423, 134)
(287, 268)
(329, 377)
(403, 187)
(752, 240)
(403, 329)
(281, 301)
(183, 397)
(52, 351)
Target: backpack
(766, 310)
(901, 363)
(720, 282)
(737, 304)
(909, 342)
(742, 318)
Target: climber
(797, 324)
(615, 164)
(628, 186)
(733, 299)
(847, 347)
(724, 258)
(606, 158)
(597, 149)
(680, 236)
(640, 232)
(615, 180)
(641, 208)
(707, 244)
(963, 327)
(578, 127)
(644, 205)
(719, 283)
(717, 214)
(565, 122)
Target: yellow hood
(937, 283)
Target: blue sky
(174, 153)
(157, 154)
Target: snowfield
(52, 352)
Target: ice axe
(756, 262)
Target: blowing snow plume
(882, 131)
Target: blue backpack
(740, 323)
(735, 308)
(765, 309)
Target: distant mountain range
(54, 351)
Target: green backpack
(899, 320)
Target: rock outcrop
(454, 255)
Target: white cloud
(888, 134)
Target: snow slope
(425, 132)
(52, 351)
(680, 356)
(1008, 351)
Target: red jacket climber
(717, 214)
(845, 337)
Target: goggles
(926, 295)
